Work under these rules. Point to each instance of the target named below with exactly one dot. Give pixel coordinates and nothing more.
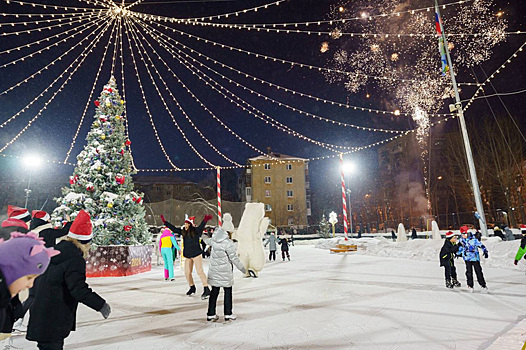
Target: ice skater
(284, 243)
(220, 272)
(447, 260)
(167, 246)
(272, 246)
(192, 251)
(469, 250)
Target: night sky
(52, 132)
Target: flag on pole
(441, 47)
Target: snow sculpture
(401, 237)
(435, 230)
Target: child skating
(272, 246)
(447, 260)
(284, 243)
(167, 246)
(469, 249)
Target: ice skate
(212, 318)
(470, 289)
(288, 257)
(449, 285)
(191, 290)
(172, 279)
(230, 317)
(484, 289)
(206, 293)
(455, 283)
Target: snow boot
(456, 283)
(449, 284)
(191, 290)
(212, 318)
(206, 293)
(230, 317)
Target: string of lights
(80, 18)
(85, 53)
(29, 23)
(51, 85)
(279, 87)
(46, 6)
(91, 25)
(81, 122)
(42, 158)
(146, 103)
(135, 31)
(42, 15)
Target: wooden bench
(344, 248)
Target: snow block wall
(116, 261)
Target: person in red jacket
(192, 251)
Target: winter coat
(220, 271)
(522, 248)
(414, 235)
(5, 232)
(10, 309)
(284, 244)
(271, 241)
(509, 235)
(469, 248)
(61, 288)
(191, 245)
(447, 253)
(47, 232)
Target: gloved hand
(106, 310)
(486, 255)
(162, 219)
(207, 217)
(515, 262)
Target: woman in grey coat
(272, 242)
(220, 272)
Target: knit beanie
(22, 255)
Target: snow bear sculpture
(249, 234)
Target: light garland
(81, 122)
(43, 159)
(146, 105)
(84, 55)
(49, 86)
(90, 25)
(26, 23)
(46, 6)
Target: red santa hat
(40, 214)
(81, 228)
(449, 234)
(464, 229)
(189, 220)
(523, 229)
(14, 223)
(14, 212)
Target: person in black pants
(447, 256)
(284, 243)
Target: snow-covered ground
(386, 296)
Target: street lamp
(31, 162)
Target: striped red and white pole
(219, 218)
(344, 200)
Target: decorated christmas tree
(102, 182)
(325, 228)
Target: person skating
(447, 260)
(167, 246)
(22, 259)
(62, 287)
(469, 250)
(284, 243)
(16, 221)
(220, 272)
(522, 246)
(272, 246)
(497, 232)
(192, 251)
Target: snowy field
(383, 297)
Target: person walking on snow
(447, 260)
(272, 242)
(283, 242)
(522, 247)
(469, 250)
(167, 246)
(220, 272)
(192, 251)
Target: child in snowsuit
(272, 241)
(283, 242)
(220, 272)
(522, 247)
(447, 256)
(22, 259)
(469, 249)
(167, 246)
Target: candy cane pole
(219, 221)
(344, 200)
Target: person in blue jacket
(469, 250)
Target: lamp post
(30, 162)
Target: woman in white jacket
(220, 272)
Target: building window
(158, 188)
(290, 221)
(289, 166)
(267, 193)
(289, 193)
(268, 207)
(248, 191)
(290, 207)
(267, 166)
(267, 179)
(289, 180)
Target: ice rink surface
(317, 300)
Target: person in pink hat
(62, 288)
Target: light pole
(31, 162)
